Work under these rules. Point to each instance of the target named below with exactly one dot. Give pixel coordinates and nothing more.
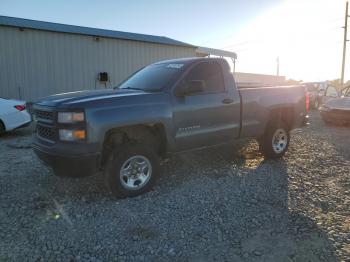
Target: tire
(2, 128)
(132, 170)
(268, 145)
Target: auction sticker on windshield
(175, 65)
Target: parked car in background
(13, 114)
(312, 92)
(336, 108)
(330, 93)
(315, 90)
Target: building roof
(73, 29)
(201, 50)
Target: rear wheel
(275, 141)
(132, 170)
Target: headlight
(70, 117)
(71, 135)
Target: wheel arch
(2, 124)
(283, 114)
(151, 134)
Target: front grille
(45, 132)
(45, 115)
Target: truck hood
(78, 97)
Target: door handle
(227, 101)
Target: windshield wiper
(147, 90)
(132, 88)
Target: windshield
(153, 77)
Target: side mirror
(192, 87)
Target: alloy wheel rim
(279, 140)
(135, 172)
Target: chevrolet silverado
(167, 107)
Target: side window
(331, 91)
(210, 74)
(346, 91)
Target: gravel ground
(219, 205)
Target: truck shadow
(257, 224)
(250, 222)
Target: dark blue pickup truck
(167, 107)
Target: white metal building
(249, 79)
(41, 58)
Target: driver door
(208, 117)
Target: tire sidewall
(119, 156)
(266, 142)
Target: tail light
(20, 107)
(307, 101)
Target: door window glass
(345, 91)
(331, 91)
(210, 74)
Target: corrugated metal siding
(37, 63)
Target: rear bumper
(71, 165)
(26, 124)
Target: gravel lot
(218, 205)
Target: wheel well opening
(152, 135)
(285, 115)
(2, 125)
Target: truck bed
(258, 102)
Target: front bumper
(69, 165)
(68, 159)
(26, 124)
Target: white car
(13, 114)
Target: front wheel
(275, 141)
(132, 170)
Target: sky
(306, 35)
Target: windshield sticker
(175, 66)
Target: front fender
(101, 120)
